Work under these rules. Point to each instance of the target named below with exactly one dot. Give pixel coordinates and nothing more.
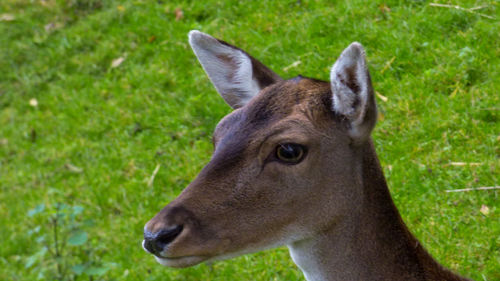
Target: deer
(293, 164)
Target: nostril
(164, 237)
(156, 242)
(147, 244)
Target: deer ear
(237, 76)
(353, 92)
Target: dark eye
(290, 153)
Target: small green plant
(63, 251)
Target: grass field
(95, 95)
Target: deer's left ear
(237, 76)
(353, 92)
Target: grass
(97, 132)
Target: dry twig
(461, 164)
(152, 178)
(285, 69)
(474, 189)
(470, 10)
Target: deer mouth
(180, 262)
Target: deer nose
(155, 243)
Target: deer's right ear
(237, 76)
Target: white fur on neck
(304, 257)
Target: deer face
(283, 164)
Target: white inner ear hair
(349, 84)
(243, 84)
(229, 69)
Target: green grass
(97, 132)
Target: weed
(62, 250)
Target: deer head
(286, 161)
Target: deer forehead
(299, 98)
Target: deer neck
(371, 243)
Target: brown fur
(245, 200)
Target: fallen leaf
(383, 98)
(7, 17)
(151, 39)
(381, 116)
(178, 14)
(73, 168)
(52, 26)
(48, 27)
(120, 8)
(33, 102)
(484, 210)
(130, 168)
(116, 62)
(384, 8)
(4, 141)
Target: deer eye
(290, 153)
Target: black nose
(156, 242)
